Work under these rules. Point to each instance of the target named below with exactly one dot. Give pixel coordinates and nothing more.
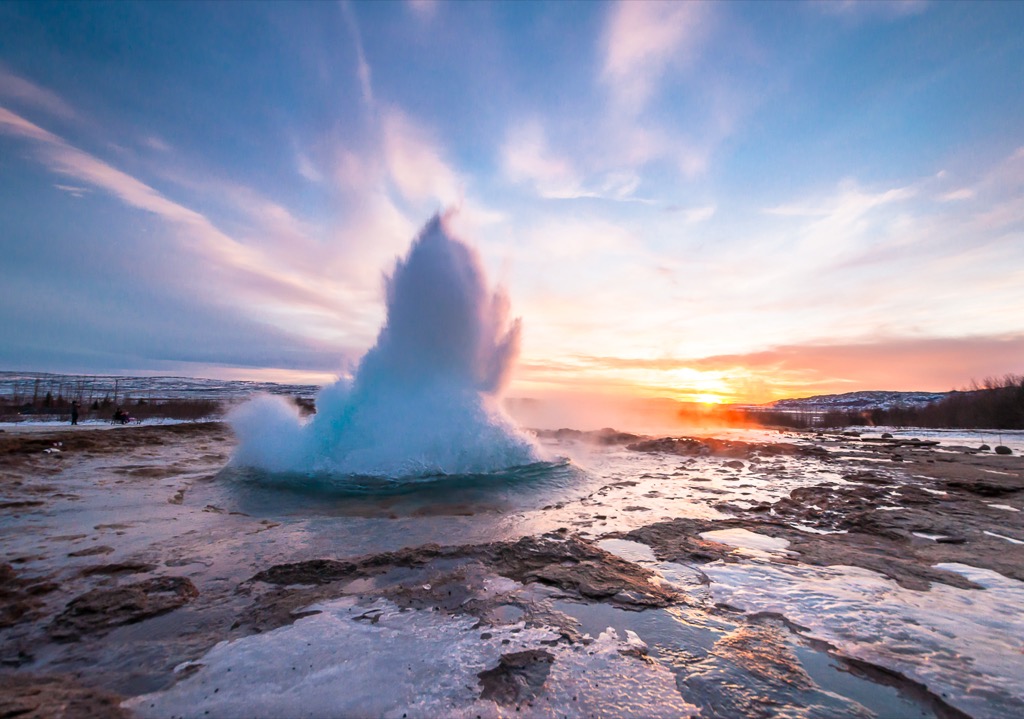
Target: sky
(706, 202)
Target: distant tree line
(998, 403)
(49, 406)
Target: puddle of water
(684, 640)
(745, 539)
(963, 644)
(630, 551)
(217, 548)
(832, 674)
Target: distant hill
(25, 386)
(858, 401)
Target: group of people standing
(120, 416)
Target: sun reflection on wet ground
(172, 509)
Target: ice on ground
(930, 535)
(1011, 540)
(380, 660)
(962, 644)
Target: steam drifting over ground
(424, 399)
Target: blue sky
(729, 200)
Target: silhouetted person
(74, 413)
(120, 416)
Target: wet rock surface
(861, 532)
(752, 672)
(606, 436)
(939, 510)
(447, 578)
(21, 597)
(734, 449)
(843, 502)
(578, 568)
(518, 677)
(100, 610)
(28, 696)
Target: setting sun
(434, 358)
(708, 399)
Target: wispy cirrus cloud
(996, 194)
(849, 202)
(415, 164)
(396, 150)
(704, 213)
(73, 190)
(643, 39)
(863, 9)
(424, 9)
(964, 193)
(644, 46)
(527, 158)
(198, 234)
(16, 88)
(363, 70)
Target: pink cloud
(881, 9)
(933, 364)
(642, 39)
(414, 163)
(424, 9)
(526, 157)
(199, 234)
(19, 89)
(363, 70)
(16, 125)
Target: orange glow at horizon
(709, 399)
(926, 365)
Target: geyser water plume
(424, 400)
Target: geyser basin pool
(445, 572)
(424, 400)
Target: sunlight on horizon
(815, 209)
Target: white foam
(424, 399)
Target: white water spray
(424, 399)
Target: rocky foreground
(128, 558)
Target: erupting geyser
(424, 399)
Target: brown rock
(33, 696)
(518, 677)
(100, 610)
(20, 596)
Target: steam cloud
(424, 399)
